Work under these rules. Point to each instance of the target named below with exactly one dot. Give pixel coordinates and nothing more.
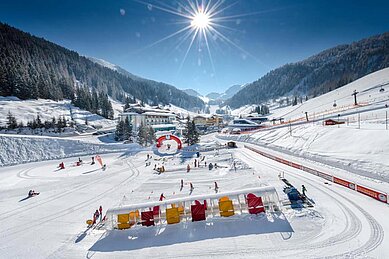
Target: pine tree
(142, 135)
(38, 122)
(127, 130)
(191, 135)
(11, 121)
(187, 131)
(119, 133)
(195, 134)
(150, 135)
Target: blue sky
(262, 34)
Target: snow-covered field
(342, 224)
(27, 110)
(16, 149)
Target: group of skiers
(98, 215)
(79, 162)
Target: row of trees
(94, 102)
(146, 134)
(55, 123)
(125, 132)
(262, 109)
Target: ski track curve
(376, 230)
(15, 230)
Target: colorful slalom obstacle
(195, 208)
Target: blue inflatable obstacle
(293, 194)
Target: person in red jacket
(61, 165)
(161, 197)
(188, 168)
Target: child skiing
(303, 189)
(101, 212)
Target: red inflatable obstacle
(255, 204)
(169, 137)
(198, 211)
(147, 218)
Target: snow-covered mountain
(114, 67)
(214, 97)
(231, 91)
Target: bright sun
(200, 20)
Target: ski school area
(209, 200)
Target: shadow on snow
(163, 235)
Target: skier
(148, 156)
(303, 189)
(188, 168)
(93, 160)
(216, 187)
(61, 165)
(97, 215)
(161, 197)
(182, 184)
(195, 163)
(235, 166)
(191, 187)
(210, 167)
(101, 212)
(104, 167)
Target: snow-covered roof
(163, 125)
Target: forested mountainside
(32, 67)
(320, 73)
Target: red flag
(98, 158)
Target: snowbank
(23, 149)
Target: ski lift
(334, 105)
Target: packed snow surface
(342, 223)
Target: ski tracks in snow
(353, 223)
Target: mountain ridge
(32, 67)
(318, 74)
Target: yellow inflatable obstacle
(172, 215)
(124, 221)
(225, 207)
(89, 222)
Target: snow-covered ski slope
(27, 110)
(369, 95)
(342, 223)
(15, 149)
(358, 146)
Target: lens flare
(200, 20)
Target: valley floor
(343, 223)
